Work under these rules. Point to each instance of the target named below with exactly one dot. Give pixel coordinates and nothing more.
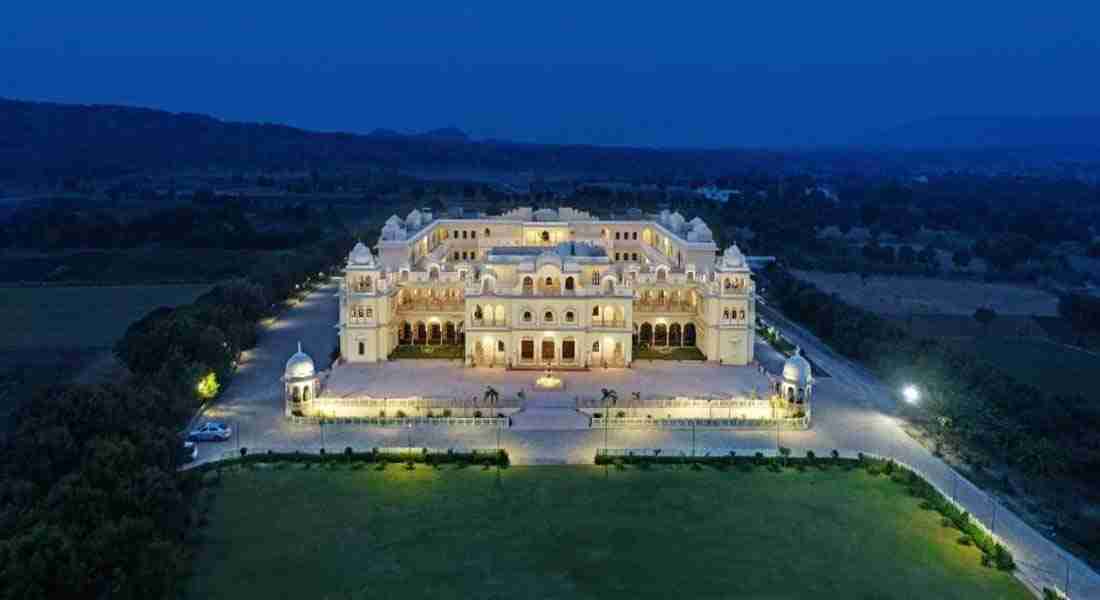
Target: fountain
(548, 381)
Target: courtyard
(554, 532)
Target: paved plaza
(851, 412)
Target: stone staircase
(549, 410)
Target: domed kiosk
(797, 383)
(299, 382)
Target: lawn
(448, 351)
(567, 532)
(1053, 367)
(80, 317)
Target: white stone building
(532, 288)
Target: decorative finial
(299, 345)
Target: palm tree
(491, 395)
(609, 396)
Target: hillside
(1079, 132)
(48, 141)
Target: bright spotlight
(911, 394)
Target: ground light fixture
(911, 394)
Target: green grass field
(567, 532)
(1053, 367)
(80, 317)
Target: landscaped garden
(447, 351)
(350, 529)
(681, 353)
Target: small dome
(361, 255)
(299, 365)
(797, 369)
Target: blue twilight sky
(672, 73)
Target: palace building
(547, 288)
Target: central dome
(797, 369)
(299, 365)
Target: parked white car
(190, 451)
(211, 431)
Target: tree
(961, 258)
(985, 316)
(610, 397)
(491, 395)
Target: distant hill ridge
(990, 132)
(44, 140)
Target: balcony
(432, 305)
(664, 307)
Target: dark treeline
(971, 403)
(223, 224)
(1015, 223)
(91, 504)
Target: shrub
(477, 413)
(400, 414)
(446, 412)
(965, 540)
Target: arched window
(549, 281)
(464, 234)
(595, 346)
(645, 334)
(674, 338)
(500, 343)
(370, 313)
(634, 256)
(473, 235)
(726, 314)
(634, 236)
(306, 389)
(660, 335)
(546, 236)
(689, 334)
(548, 316)
(487, 233)
(456, 254)
(569, 283)
(569, 316)
(362, 348)
(595, 278)
(477, 312)
(296, 393)
(528, 285)
(662, 274)
(595, 311)
(617, 234)
(527, 316)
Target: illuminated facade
(537, 288)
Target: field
(915, 295)
(53, 334)
(126, 267)
(1055, 368)
(80, 317)
(567, 532)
